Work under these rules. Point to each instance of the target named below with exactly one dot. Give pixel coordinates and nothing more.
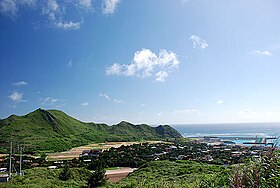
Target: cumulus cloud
(85, 104)
(198, 42)
(260, 52)
(220, 101)
(161, 75)
(16, 96)
(21, 83)
(146, 64)
(109, 6)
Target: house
(91, 153)
(52, 167)
(3, 169)
(208, 158)
(87, 160)
(4, 177)
(180, 157)
(172, 147)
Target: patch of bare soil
(117, 175)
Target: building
(4, 177)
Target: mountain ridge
(54, 130)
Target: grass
(175, 174)
(112, 168)
(154, 174)
(42, 178)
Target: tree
(66, 173)
(97, 178)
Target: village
(122, 160)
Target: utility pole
(10, 165)
(20, 161)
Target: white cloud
(69, 64)
(251, 115)
(16, 96)
(247, 112)
(161, 75)
(68, 25)
(55, 12)
(52, 10)
(260, 52)
(188, 112)
(118, 101)
(159, 114)
(21, 83)
(10, 8)
(109, 6)
(198, 42)
(184, 1)
(85, 104)
(114, 69)
(28, 3)
(105, 96)
(49, 100)
(146, 63)
(220, 101)
(85, 3)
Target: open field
(75, 152)
(118, 174)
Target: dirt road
(117, 175)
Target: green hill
(53, 130)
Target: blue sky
(156, 62)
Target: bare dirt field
(75, 152)
(117, 175)
(2, 156)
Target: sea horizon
(265, 129)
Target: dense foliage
(53, 130)
(97, 178)
(176, 174)
(263, 172)
(41, 177)
(65, 174)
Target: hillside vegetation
(177, 174)
(53, 130)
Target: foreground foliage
(254, 173)
(41, 177)
(263, 172)
(177, 174)
(97, 178)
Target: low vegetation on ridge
(53, 130)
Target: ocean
(237, 132)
